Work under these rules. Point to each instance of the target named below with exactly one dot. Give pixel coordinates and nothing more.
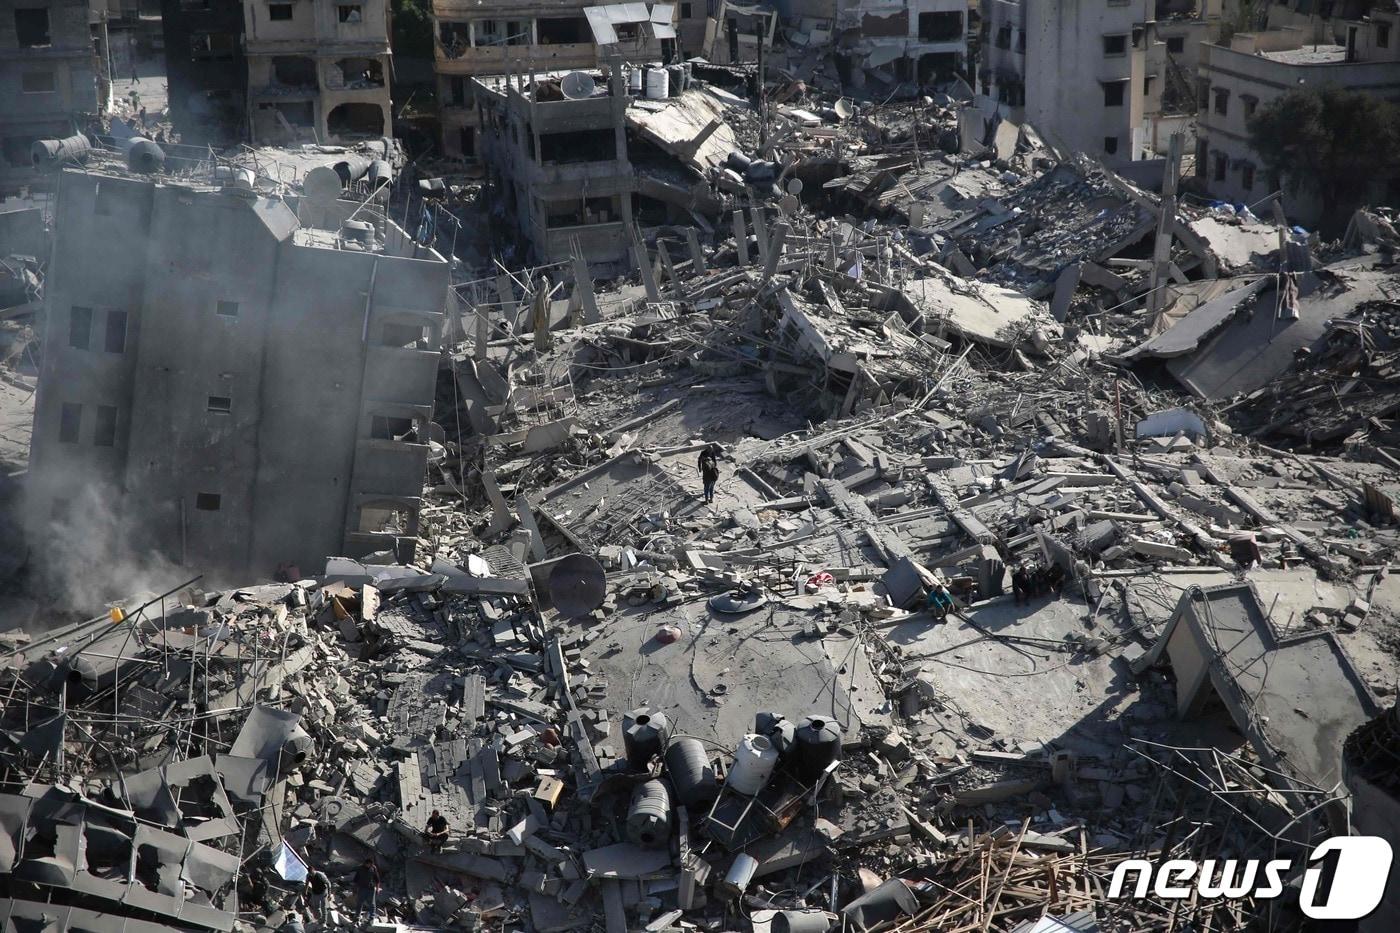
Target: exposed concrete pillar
(697, 255)
(741, 237)
(583, 288)
(760, 232)
(525, 512)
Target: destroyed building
(317, 71)
(53, 78)
(921, 41)
(475, 40)
(205, 68)
(1236, 77)
(228, 387)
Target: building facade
(318, 71)
(205, 70)
(1252, 69)
(229, 388)
(52, 78)
(498, 37)
(1080, 71)
(559, 168)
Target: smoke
(84, 557)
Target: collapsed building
(1054, 525)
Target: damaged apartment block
(317, 71)
(228, 386)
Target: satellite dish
(794, 186)
(577, 585)
(322, 184)
(844, 109)
(788, 204)
(577, 85)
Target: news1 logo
(1344, 879)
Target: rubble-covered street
(898, 524)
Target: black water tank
(818, 745)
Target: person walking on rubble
(709, 470)
(436, 831)
(318, 887)
(367, 891)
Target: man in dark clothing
(1020, 584)
(709, 470)
(1055, 578)
(437, 831)
(318, 886)
(367, 890)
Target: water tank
(818, 745)
(381, 174)
(322, 184)
(738, 161)
(644, 735)
(777, 729)
(145, 157)
(351, 168)
(649, 816)
(753, 765)
(634, 82)
(658, 83)
(677, 79)
(51, 153)
(688, 766)
(800, 921)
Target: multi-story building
(224, 387)
(559, 167)
(52, 79)
(918, 41)
(205, 70)
(318, 70)
(1079, 72)
(1252, 69)
(480, 39)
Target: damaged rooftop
(753, 489)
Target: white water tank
(753, 765)
(658, 83)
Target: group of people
(1033, 582)
(366, 881)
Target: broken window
(1147, 84)
(37, 82)
(32, 27)
(941, 27)
(212, 46)
(486, 32)
(387, 428)
(105, 432)
(518, 32)
(116, 332)
(1115, 45)
(1250, 104)
(563, 30)
(70, 421)
(279, 12)
(1113, 93)
(466, 139)
(349, 13)
(1202, 154)
(220, 404)
(1382, 35)
(1220, 164)
(207, 501)
(1203, 95)
(79, 327)
(1222, 101)
(294, 70)
(1247, 176)
(1003, 39)
(1176, 45)
(686, 12)
(403, 335)
(361, 72)
(578, 146)
(226, 309)
(363, 120)
(1110, 144)
(384, 521)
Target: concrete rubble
(1055, 526)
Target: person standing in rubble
(367, 891)
(436, 831)
(1020, 584)
(709, 470)
(318, 887)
